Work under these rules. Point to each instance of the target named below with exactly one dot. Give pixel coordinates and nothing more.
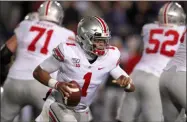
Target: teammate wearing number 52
(88, 61)
(161, 41)
(33, 42)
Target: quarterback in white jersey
(161, 41)
(88, 61)
(32, 43)
(173, 82)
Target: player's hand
(63, 88)
(125, 82)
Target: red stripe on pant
(52, 117)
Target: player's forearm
(7, 50)
(44, 77)
(5, 55)
(41, 75)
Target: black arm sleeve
(5, 55)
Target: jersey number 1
(41, 31)
(87, 78)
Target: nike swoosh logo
(100, 68)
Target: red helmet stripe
(102, 22)
(47, 7)
(165, 13)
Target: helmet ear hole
(91, 38)
(82, 38)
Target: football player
(173, 83)
(161, 41)
(32, 42)
(88, 61)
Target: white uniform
(35, 40)
(173, 83)
(75, 66)
(160, 44)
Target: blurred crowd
(125, 20)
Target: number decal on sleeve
(156, 42)
(87, 78)
(41, 31)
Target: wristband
(53, 83)
(128, 86)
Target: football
(75, 97)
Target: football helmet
(32, 16)
(92, 30)
(172, 14)
(51, 11)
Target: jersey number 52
(41, 31)
(156, 42)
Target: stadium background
(125, 20)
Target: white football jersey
(74, 66)
(179, 59)
(160, 45)
(36, 40)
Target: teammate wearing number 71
(33, 42)
(161, 41)
(88, 61)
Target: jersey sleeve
(116, 71)
(58, 53)
(21, 29)
(115, 56)
(50, 65)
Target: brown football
(75, 97)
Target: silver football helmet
(91, 30)
(32, 16)
(172, 14)
(51, 11)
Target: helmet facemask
(94, 44)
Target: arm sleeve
(50, 64)
(117, 72)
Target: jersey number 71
(41, 31)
